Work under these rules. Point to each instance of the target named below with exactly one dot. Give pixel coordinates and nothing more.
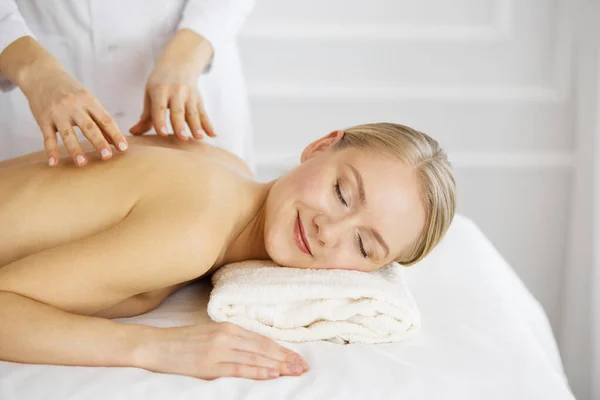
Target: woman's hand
(59, 102)
(213, 350)
(173, 85)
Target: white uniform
(110, 47)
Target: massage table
(483, 336)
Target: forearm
(36, 333)
(188, 52)
(24, 58)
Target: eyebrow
(361, 194)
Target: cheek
(315, 189)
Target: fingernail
(122, 146)
(163, 130)
(80, 159)
(199, 132)
(183, 135)
(273, 373)
(105, 153)
(51, 161)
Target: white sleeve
(12, 27)
(218, 21)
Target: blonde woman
(79, 249)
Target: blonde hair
(431, 164)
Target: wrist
(142, 351)
(187, 51)
(25, 61)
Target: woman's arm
(217, 21)
(34, 332)
(46, 299)
(40, 294)
(12, 27)
(206, 26)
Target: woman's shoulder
(195, 150)
(193, 181)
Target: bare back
(43, 209)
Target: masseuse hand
(59, 102)
(172, 85)
(212, 350)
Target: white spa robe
(111, 45)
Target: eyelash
(360, 245)
(358, 239)
(339, 193)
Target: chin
(279, 246)
(280, 255)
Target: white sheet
(483, 337)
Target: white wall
(490, 79)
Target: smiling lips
(300, 236)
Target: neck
(247, 241)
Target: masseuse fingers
(193, 119)
(50, 144)
(177, 111)
(158, 109)
(244, 371)
(107, 125)
(206, 125)
(69, 138)
(145, 122)
(92, 132)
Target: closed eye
(361, 247)
(358, 238)
(339, 193)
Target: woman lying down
(111, 240)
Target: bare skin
(115, 239)
(58, 101)
(97, 207)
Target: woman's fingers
(69, 138)
(91, 131)
(185, 109)
(158, 109)
(193, 119)
(254, 342)
(50, 144)
(206, 125)
(248, 358)
(145, 122)
(253, 358)
(177, 112)
(97, 126)
(107, 126)
(250, 351)
(243, 371)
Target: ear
(321, 145)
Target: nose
(329, 231)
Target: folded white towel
(299, 305)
